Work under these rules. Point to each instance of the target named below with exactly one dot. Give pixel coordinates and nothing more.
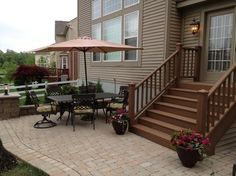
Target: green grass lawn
(24, 169)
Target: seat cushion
(116, 105)
(46, 108)
(83, 110)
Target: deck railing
(168, 73)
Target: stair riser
(153, 138)
(156, 126)
(179, 102)
(170, 120)
(175, 111)
(183, 94)
(194, 86)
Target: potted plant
(120, 121)
(190, 146)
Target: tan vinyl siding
(188, 38)
(174, 27)
(151, 38)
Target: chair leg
(93, 120)
(73, 121)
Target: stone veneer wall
(9, 106)
(27, 110)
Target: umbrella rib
(102, 50)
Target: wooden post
(178, 61)
(131, 103)
(197, 65)
(202, 111)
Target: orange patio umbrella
(86, 44)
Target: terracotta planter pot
(188, 158)
(120, 127)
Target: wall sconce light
(6, 89)
(195, 26)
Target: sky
(30, 24)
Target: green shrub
(68, 89)
(99, 88)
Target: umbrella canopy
(86, 44)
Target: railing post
(197, 64)
(202, 106)
(179, 47)
(131, 103)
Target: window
(96, 34)
(96, 9)
(43, 60)
(110, 6)
(64, 62)
(112, 33)
(128, 3)
(131, 34)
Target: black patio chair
(83, 104)
(116, 104)
(45, 110)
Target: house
(160, 102)
(61, 63)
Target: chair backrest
(53, 90)
(122, 90)
(34, 98)
(84, 100)
(126, 97)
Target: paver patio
(86, 152)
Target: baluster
(191, 71)
(229, 90)
(151, 88)
(188, 57)
(146, 91)
(213, 109)
(184, 60)
(164, 76)
(223, 99)
(160, 81)
(234, 83)
(137, 101)
(155, 82)
(169, 71)
(218, 103)
(142, 95)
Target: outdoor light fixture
(195, 25)
(6, 89)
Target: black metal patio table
(64, 101)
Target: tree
(26, 74)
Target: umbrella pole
(85, 72)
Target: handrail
(142, 95)
(221, 100)
(222, 79)
(153, 72)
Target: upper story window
(96, 34)
(128, 3)
(64, 61)
(110, 6)
(112, 33)
(131, 34)
(96, 9)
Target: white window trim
(67, 60)
(131, 37)
(100, 11)
(120, 60)
(105, 14)
(126, 6)
(100, 25)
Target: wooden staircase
(173, 111)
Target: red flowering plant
(120, 116)
(190, 140)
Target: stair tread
(152, 131)
(177, 106)
(162, 123)
(179, 117)
(184, 90)
(180, 98)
